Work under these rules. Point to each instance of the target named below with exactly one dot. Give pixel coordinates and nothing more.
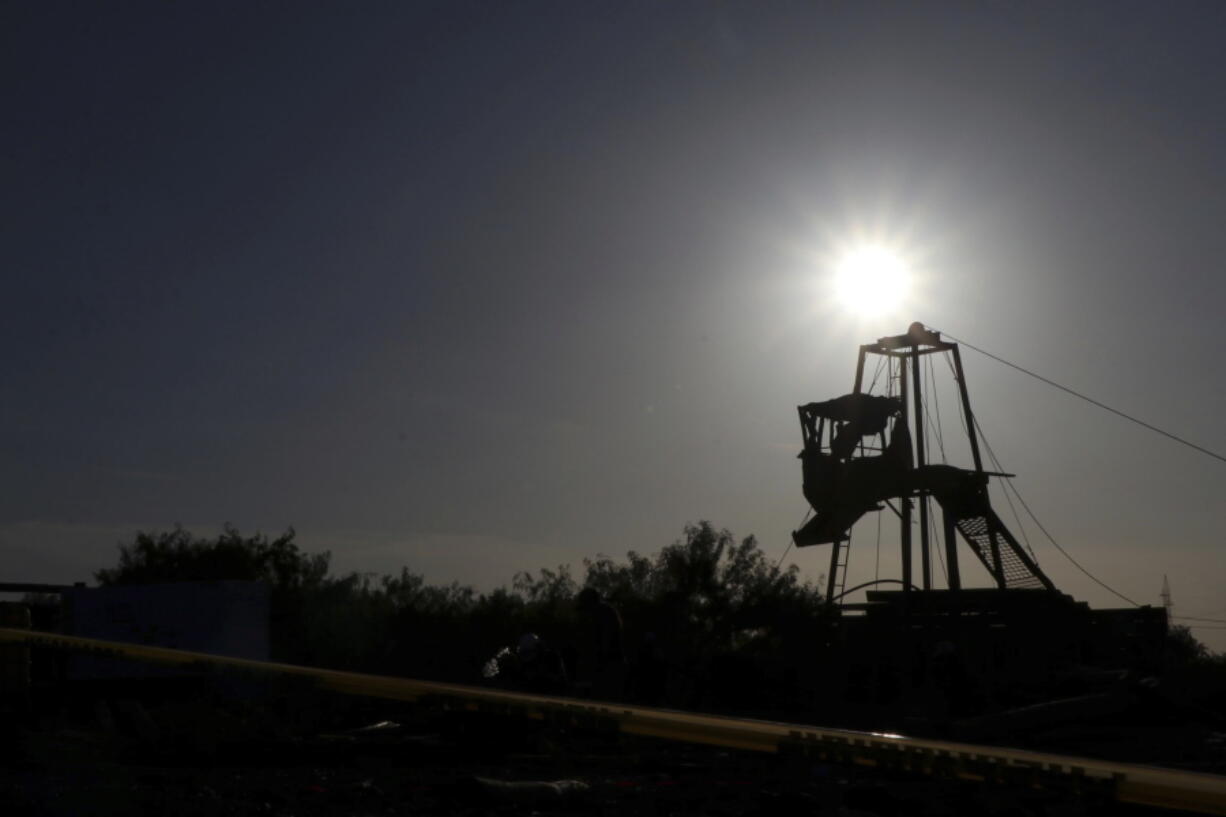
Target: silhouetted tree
(176, 556)
(1183, 648)
(707, 600)
(303, 599)
(716, 587)
(735, 630)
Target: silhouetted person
(541, 668)
(532, 666)
(650, 672)
(949, 678)
(845, 441)
(605, 664)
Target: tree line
(725, 627)
(719, 615)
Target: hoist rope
(1008, 486)
(1009, 483)
(1051, 538)
(791, 542)
(1094, 402)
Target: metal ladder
(840, 566)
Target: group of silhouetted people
(595, 667)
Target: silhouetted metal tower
(844, 478)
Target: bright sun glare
(871, 281)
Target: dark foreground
(191, 758)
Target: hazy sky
(480, 287)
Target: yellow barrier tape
(1131, 783)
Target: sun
(871, 280)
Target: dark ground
(207, 756)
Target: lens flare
(871, 281)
